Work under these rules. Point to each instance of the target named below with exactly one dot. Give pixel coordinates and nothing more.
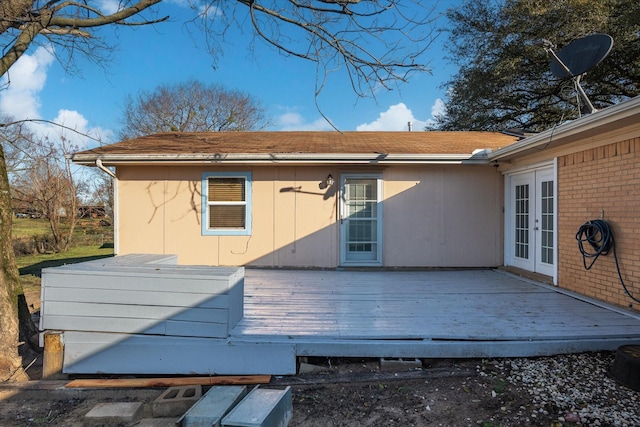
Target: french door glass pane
(546, 255)
(522, 221)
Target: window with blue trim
(226, 201)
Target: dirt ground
(343, 392)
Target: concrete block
(389, 364)
(308, 368)
(175, 401)
(117, 413)
(262, 408)
(156, 422)
(213, 406)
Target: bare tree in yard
(48, 184)
(15, 140)
(376, 43)
(100, 192)
(191, 107)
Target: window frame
(206, 231)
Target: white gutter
(285, 158)
(619, 112)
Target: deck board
(424, 313)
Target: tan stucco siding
(443, 216)
(433, 216)
(293, 220)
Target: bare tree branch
(57, 18)
(376, 43)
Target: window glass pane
(362, 189)
(226, 189)
(226, 216)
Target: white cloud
(22, 84)
(110, 6)
(291, 120)
(20, 100)
(396, 118)
(437, 109)
(73, 127)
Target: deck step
(213, 406)
(262, 408)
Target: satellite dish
(581, 55)
(578, 57)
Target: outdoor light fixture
(328, 182)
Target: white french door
(361, 220)
(531, 221)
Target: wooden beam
(169, 382)
(53, 356)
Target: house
(309, 199)
(387, 199)
(217, 202)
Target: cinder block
(156, 422)
(175, 401)
(262, 408)
(213, 406)
(389, 364)
(117, 413)
(308, 368)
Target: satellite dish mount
(578, 57)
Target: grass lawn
(26, 227)
(31, 265)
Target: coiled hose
(597, 233)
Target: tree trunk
(10, 360)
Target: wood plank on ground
(168, 382)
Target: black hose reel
(595, 238)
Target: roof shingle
(421, 143)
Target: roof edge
(284, 158)
(602, 117)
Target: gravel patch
(576, 388)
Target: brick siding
(601, 180)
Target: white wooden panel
(115, 311)
(453, 349)
(201, 272)
(236, 302)
(137, 326)
(112, 296)
(158, 298)
(126, 280)
(93, 353)
(134, 259)
(196, 329)
(104, 324)
(140, 259)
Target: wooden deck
(472, 313)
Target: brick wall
(603, 179)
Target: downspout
(106, 170)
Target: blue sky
(145, 57)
